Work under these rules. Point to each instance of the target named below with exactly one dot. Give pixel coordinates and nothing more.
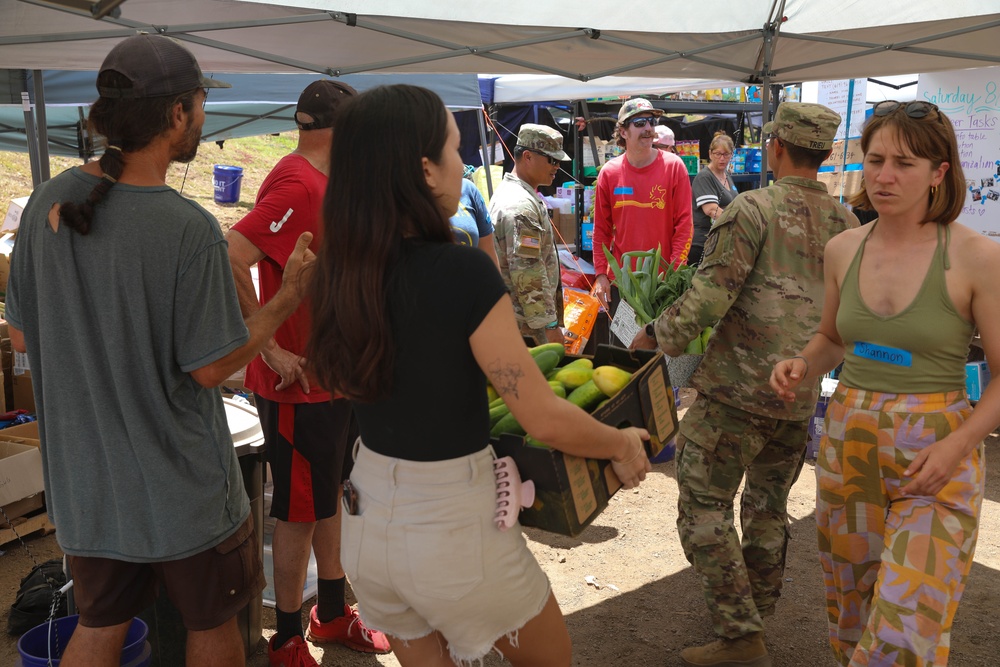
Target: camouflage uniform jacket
(760, 284)
(527, 253)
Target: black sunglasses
(641, 122)
(912, 109)
(552, 161)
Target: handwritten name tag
(888, 355)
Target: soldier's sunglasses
(552, 161)
(912, 109)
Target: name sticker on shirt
(888, 355)
(623, 190)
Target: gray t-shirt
(138, 460)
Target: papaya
(507, 424)
(547, 360)
(491, 393)
(551, 375)
(586, 396)
(572, 376)
(558, 348)
(582, 362)
(611, 379)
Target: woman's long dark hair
(377, 195)
(127, 125)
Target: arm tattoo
(504, 377)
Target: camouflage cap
(634, 106)
(808, 125)
(542, 139)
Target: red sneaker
(295, 653)
(349, 631)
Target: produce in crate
(578, 382)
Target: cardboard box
(571, 491)
(23, 434)
(22, 392)
(13, 218)
(977, 376)
(20, 471)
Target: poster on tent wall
(971, 98)
(837, 95)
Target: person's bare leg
(326, 546)
(429, 651)
(290, 548)
(542, 642)
(221, 646)
(95, 647)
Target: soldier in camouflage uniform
(761, 285)
(523, 234)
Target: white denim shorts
(424, 554)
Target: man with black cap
(760, 284)
(525, 243)
(121, 294)
(307, 433)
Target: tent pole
(32, 139)
(42, 129)
(487, 165)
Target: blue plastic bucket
(226, 181)
(33, 646)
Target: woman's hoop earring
(933, 190)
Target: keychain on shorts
(512, 493)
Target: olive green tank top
(920, 350)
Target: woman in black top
(711, 191)
(409, 325)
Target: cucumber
(547, 360)
(694, 347)
(587, 396)
(507, 424)
(558, 389)
(498, 413)
(535, 442)
(558, 348)
(491, 393)
(705, 335)
(498, 402)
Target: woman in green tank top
(900, 469)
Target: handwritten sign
(835, 94)
(971, 99)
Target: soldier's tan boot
(746, 651)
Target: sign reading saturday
(971, 98)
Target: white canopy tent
(752, 41)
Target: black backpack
(34, 598)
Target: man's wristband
(552, 325)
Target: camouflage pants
(716, 447)
(537, 335)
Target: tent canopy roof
(744, 40)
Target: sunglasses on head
(911, 109)
(552, 161)
(641, 122)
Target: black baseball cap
(319, 102)
(156, 66)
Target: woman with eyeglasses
(408, 325)
(900, 469)
(711, 191)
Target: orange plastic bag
(579, 315)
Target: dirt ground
(649, 603)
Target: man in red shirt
(308, 435)
(643, 197)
